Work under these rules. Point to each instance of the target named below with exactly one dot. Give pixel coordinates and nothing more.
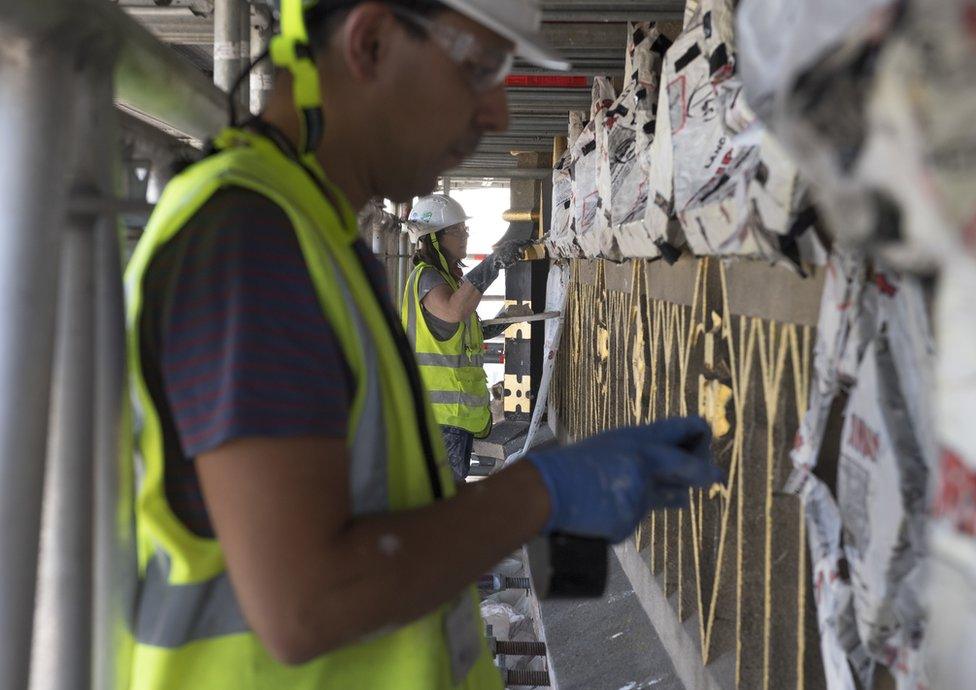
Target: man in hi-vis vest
(296, 521)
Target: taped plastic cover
(837, 349)
(881, 490)
(557, 290)
(561, 239)
(877, 109)
(778, 41)
(838, 341)
(921, 152)
(732, 188)
(586, 199)
(868, 545)
(624, 147)
(952, 585)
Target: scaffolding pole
(115, 556)
(61, 658)
(262, 75)
(244, 94)
(88, 557)
(227, 43)
(34, 101)
(151, 79)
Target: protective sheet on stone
(586, 197)
(624, 145)
(881, 491)
(874, 355)
(561, 239)
(875, 106)
(952, 570)
(733, 189)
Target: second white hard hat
(433, 213)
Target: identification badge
(463, 635)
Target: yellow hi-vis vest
(453, 369)
(187, 629)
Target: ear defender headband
(290, 50)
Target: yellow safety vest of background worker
(439, 313)
(342, 561)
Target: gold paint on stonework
(713, 399)
(630, 359)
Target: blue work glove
(605, 485)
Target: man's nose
(492, 113)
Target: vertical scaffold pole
(35, 99)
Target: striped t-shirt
(235, 343)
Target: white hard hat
(433, 213)
(517, 20)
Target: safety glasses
(461, 231)
(483, 67)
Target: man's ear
(366, 38)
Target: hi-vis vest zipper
(187, 631)
(452, 369)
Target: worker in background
(296, 521)
(439, 312)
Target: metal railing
(62, 354)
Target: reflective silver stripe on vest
(454, 361)
(456, 398)
(174, 615)
(368, 471)
(408, 294)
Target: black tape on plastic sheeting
(662, 203)
(669, 253)
(620, 110)
(649, 126)
(685, 59)
(639, 35)
(762, 173)
(661, 45)
(788, 247)
(887, 217)
(718, 185)
(718, 60)
(707, 24)
(589, 148)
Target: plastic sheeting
(875, 101)
(557, 292)
(873, 362)
(779, 40)
(561, 239)
(881, 491)
(687, 164)
(952, 586)
(684, 165)
(876, 105)
(624, 146)
(586, 198)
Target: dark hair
(325, 17)
(425, 251)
